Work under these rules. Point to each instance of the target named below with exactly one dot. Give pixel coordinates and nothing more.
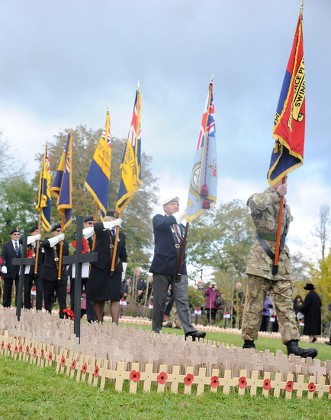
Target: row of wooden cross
(78, 259)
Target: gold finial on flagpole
(301, 7)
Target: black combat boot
(293, 348)
(248, 344)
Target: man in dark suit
(88, 221)
(168, 234)
(50, 271)
(32, 276)
(103, 284)
(11, 249)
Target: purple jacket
(210, 298)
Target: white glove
(112, 224)
(33, 239)
(88, 232)
(179, 216)
(124, 265)
(4, 269)
(54, 241)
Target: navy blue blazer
(7, 254)
(165, 258)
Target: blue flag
(98, 177)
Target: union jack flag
(203, 185)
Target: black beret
(112, 213)
(35, 227)
(89, 218)
(14, 230)
(57, 226)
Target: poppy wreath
(85, 245)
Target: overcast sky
(64, 62)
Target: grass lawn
(263, 343)
(28, 391)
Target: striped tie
(16, 247)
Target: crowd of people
(268, 296)
(101, 282)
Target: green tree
(16, 205)
(221, 238)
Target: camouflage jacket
(264, 209)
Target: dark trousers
(49, 288)
(29, 279)
(90, 311)
(7, 291)
(211, 314)
(265, 323)
(161, 283)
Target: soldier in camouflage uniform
(264, 209)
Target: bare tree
(8, 164)
(323, 228)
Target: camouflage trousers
(281, 295)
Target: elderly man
(264, 209)
(11, 249)
(168, 235)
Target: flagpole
(60, 255)
(113, 260)
(182, 253)
(39, 217)
(37, 248)
(279, 231)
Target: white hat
(170, 199)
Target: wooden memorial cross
(22, 262)
(78, 259)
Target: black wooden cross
(22, 262)
(78, 259)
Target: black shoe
(195, 334)
(293, 348)
(248, 344)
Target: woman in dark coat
(104, 285)
(311, 308)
